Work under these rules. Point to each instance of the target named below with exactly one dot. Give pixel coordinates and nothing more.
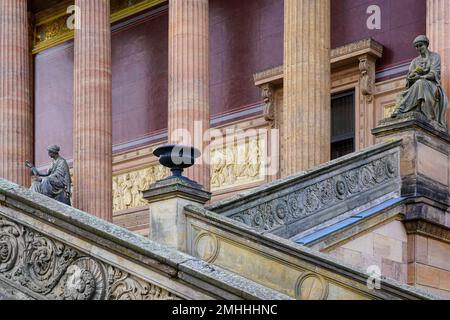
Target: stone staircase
(52, 251)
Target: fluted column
(93, 110)
(189, 79)
(438, 30)
(16, 112)
(305, 140)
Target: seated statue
(424, 93)
(56, 183)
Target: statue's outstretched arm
(34, 171)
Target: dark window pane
(342, 124)
(341, 148)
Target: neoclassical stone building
(285, 99)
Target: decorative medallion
(311, 286)
(206, 247)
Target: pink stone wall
(140, 65)
(246, 37)
(401, 22)
(53, 101)
(385, 247)
(429, 264)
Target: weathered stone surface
(281, 264)
(167, 199)
(51, 245)
(297, 203)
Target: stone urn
(177, 158)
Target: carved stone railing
(282, 265)
(51, 251)
(294, 204)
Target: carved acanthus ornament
(128, 187)
(49, 269)
(236, 164)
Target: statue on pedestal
(56, 183)
(424, 93)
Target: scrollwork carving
(126, 287)
(45, 262)
(10, 235)
(54, 270)
(320, 195)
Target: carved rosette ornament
(50, 269)
(305, 201)
(85, 279)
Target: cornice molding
(51, 25)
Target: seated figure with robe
(56, 183)
(424, 93)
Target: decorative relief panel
(128, 187)
(319, 196)
(237, 164)
(49, 269)
(388, 110)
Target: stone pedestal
(167, 199)
(424, 167)
(425, 172)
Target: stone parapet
(297, 203)
(115, 263)
(282, 265)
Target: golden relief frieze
(237, 164)
(57, 27)
(128, 187)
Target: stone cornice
(428, 229)
(348, 54)
(51, 24)
(352, 51)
